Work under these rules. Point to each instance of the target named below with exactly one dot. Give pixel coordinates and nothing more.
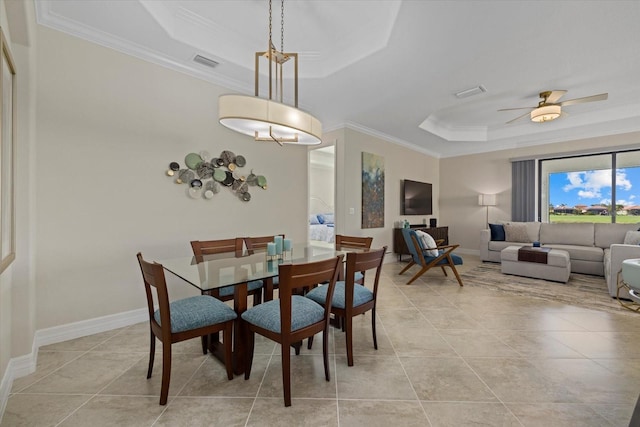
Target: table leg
(240, 306)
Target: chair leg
(204, 343)
(348, 320)
(373, 328)
(455, 271)
(152, 353)
(297, 346)
(286, 373)
(166, 372)
(408, 266)
(444, 270)
(310, 342)
(418, 274)
(248, 353)
(228, 349)
(325, 353)
(257, 298)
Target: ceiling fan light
(545, 113)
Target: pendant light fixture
(270, 119)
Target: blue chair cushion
(197, 312)
(251, 286)
(361, 295)
(304, 312)
(457, 260)
(358, 276)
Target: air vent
(205, 61)
(470, 92)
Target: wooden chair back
(201, 248)
(295, 278)
(256, 243)
(153, 277)
(354, 242)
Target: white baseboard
(26, 364)
(465, 251)
(83, 328)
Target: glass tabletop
(229, 269)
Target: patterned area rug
(581, 290)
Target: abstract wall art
(372, 190)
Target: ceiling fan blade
(555, 96)
(517, 118)
(519, 108)
(599, 97)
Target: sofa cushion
(516, 233)
(499, 245)
(533, 229)
(579, 234)
(497, 232)
(582, 253)
(608, 234)
(632, 238)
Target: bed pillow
(320, 219)
(328, 218)
(427, 243)
(497, 232)
(313, 219)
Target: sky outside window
(593, 187)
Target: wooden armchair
(260, 243)
(292, 318)
(202, 248)
(180, 320)
(354, 242)
(351, 299)
(420, 256)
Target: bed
(322, 227)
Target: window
(591, 188)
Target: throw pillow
(497, 232)
(516, 233)
(313, 219)
(427, 243)
(632, 238)
(321, 218)
(328, 218)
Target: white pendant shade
(545, 113)
(266, 119)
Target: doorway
(322, 196)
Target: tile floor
(447, 356)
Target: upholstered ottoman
(557, 268)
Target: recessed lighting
(470, 92)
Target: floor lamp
(487, 200)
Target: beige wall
(17, 284)
(463, 178)
(108, 126)
(399, 162)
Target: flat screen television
(416, 198)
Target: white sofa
(596, 249)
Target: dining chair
(260, 243)
(354, 242)
(427, 258)
(292, 318)
(351, 299)
(202, 248)
(180, 320)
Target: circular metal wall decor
(205, 175)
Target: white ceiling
(391, 68)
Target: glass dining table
(237, 270)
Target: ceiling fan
(549, 108)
